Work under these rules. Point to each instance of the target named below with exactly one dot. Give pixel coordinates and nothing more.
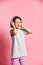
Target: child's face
(18, 23)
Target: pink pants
(22, 61)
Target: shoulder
(21, 30)
(24, 31)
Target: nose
(18, 24)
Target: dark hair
(16, 17)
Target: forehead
(18, 20)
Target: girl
(18, 32)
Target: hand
(22, 25)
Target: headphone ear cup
(11, 24)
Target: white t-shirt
(18, 44)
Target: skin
(18, 25)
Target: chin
(17, 28)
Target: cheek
(20, 24)
(16, 24)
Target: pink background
(31, 11)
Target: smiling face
(18, 23)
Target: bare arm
(29, 31)
(14, 30)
